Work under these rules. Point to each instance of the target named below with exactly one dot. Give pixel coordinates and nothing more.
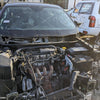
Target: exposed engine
(35, 73)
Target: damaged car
(40, 56)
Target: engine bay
(42, 72)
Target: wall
(71, 3)
(34, 0)
(62, 3)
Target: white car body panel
(84, 18)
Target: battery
(82, 63)
(77, 50)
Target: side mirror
(77, 24)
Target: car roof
(31, 4)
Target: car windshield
(35, 18)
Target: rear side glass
(78, 6)
(86, 8)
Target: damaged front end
(40, 57)
(45, 72)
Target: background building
(66, 4)
(62, 3)
(3, 2)
(72, 3)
